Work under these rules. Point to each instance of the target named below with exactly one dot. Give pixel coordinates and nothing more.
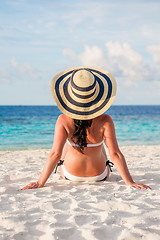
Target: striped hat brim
(82, 106)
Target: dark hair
(80, 133)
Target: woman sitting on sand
(83, 95)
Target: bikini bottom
(101, 177)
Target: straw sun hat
(83, 93)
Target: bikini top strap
(88, 144)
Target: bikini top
(88, 144)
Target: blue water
(31, 127)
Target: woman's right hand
(32, 186)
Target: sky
(39, 39)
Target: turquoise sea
(32, 127)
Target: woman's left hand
(139, 186)
(32, 186)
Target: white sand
(66, 210)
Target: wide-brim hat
(83, 92)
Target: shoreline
(41, 148)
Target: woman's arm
(116, 155)
(54, 156)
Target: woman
(83, 95)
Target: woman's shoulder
(64, 120)
(104, 122)
(63, 117)
(104, 118)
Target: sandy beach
(78, 211)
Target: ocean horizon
(32, 126)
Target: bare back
(92, 161)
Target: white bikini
(71, 177)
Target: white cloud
(94, 56)
(123, 52)
(24, 69)
(154, 50)
(127, 65)
(126, 61)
